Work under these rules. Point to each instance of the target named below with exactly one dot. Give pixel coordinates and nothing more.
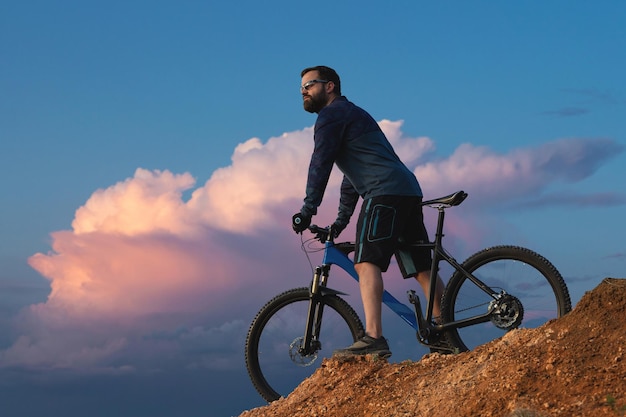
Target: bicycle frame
(337, 254)
(334, 256)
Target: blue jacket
(348, 136)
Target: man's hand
(336, 229)
(300, 222)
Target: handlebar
(324, 235)
(321, 233)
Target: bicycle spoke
(537, 289)
(274, 358)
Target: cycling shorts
(386, 225)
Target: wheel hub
(507, 312)
(298, 356)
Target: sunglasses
(307, 85)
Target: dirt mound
(573, 366)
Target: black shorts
(386, 225)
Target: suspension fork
(311, 342)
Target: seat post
(440, 218)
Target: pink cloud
(147, 203)
(112, 275)
(139, 259)
(261, 177)
(519, 174)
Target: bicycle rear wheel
(274, 363)
(536, 293)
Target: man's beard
(314, 103)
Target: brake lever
(321, 233)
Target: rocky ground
(574, 366)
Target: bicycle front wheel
(275, 364)
(535, 292)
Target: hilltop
(571, 366)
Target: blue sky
(151, 151)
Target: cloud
(589, 97)
(568, 199)
(617, 255)
(145, 279)
(261, 176)
(520, 175)
(592, 95)
(150, 202)
(264, 177)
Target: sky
(152, 154)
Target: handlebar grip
(321, 233)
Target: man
(349, 137)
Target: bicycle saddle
(450, 200)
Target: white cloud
(261, 177)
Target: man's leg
(371, 286)
(424, 280)
(374, 248)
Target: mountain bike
(494, 291)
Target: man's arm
(327, 137)
(347, 203)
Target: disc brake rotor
(296, 355)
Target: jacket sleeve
(347, 203)
(327, 138)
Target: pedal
(443, 346)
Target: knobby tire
(282, 320)
(520, 272)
